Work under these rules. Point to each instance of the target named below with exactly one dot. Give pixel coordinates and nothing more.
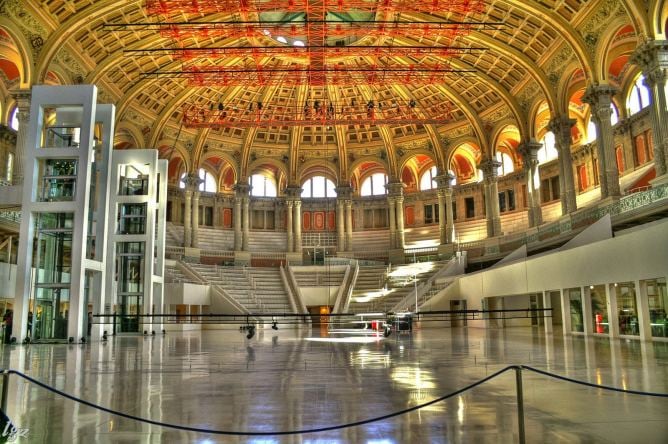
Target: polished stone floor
(289, 380)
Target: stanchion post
(113, 317)
(520, 404)
(5, 391)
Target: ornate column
(340, 225)
(22, 98)
(395, 192)
(529, 152)
(491, 187)
(349, 224)
(187, 227)
(289, 226)
(561, 128)
(195, 219)
(599, 98)
(298, 225)
(245, 222)
(652, 58)
(446, 218)
(391, 203)
(240, 193)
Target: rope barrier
(598, 386)
(328, 428)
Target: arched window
(374, 185)
(208, 185)
(262, 186)
(427, 181)
(14, 120)
(591, 131)
(638, 96)
(318, 186)
(507, 165)
(548, 151)
(614, 117)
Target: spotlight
(153, 333)
(12, 340)
(274, 326)
(259, 106)
(388, 331)
(70, 339)
(26, 340)
(251, 332)
(164, 332)
(220, 107)
(145, 332)
(83, 339)
(104, 336)
(412, 103)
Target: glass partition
(599, 309)
(628, 311)
(575, 298)
(658, 302)
(132, 218)
(62, 136)
(130, 277)
(58, 179)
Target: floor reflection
(300, 380)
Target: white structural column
(391, 203)
(187, 224)
(22, 98)
(445, 213)
(561, 128)
(400, 221)
(395, 198)
(241, 191)
(340, 225)
(195, 219)
(599, 98)
(246, 222)
(289, 226)
(652, 58)
(298, 225)
(491, 187)
(529, 152)
(349, 224)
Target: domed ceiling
(285, 82)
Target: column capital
(241, 189)
(651, 56)
(192, 181)
(395, 189)
(344, 192)
(293, 192)
(599, 97)
(444, 181)
(22, 98)
(529, 152)
(561, 124)
(490, 168)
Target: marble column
(599, 98)
(241, 192)
(298, 225)
(22, 98)
(195, 219)
(491, 188)
(391, 203)
(246, 223)
(652, 58)
(349, 225)
(529, 152)
(400, 222)
(289, 226)
(340, 225)
(446, 218)
(561, 128)
(187, 227)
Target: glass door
(130, 311)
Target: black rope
(335, 427)
(598, 386)
(286, 432)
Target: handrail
(517, 368)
